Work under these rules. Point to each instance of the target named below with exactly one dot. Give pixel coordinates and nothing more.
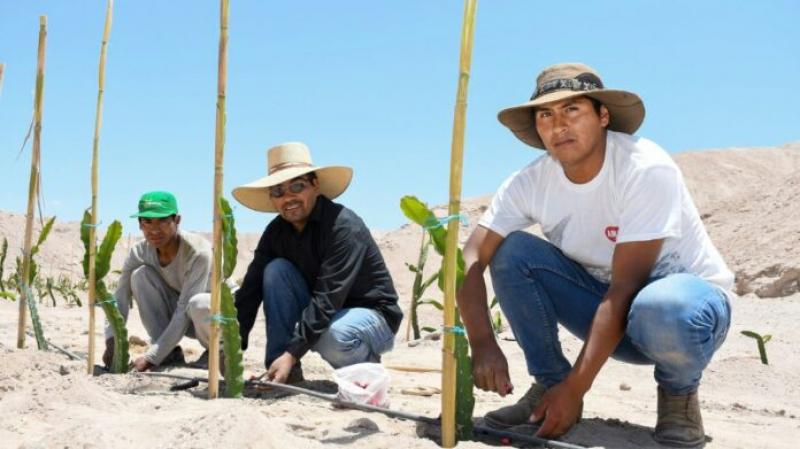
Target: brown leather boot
(679, 421)
(175, 357)
(202, 362)
(519, 413)
(296, 374)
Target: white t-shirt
(638, 195)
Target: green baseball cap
(156, 205)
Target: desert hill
(747, 198)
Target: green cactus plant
(102, 265)
(26, 286)
(5, 294)
(3, 254)
(761, 340)
(419, 213)
(8, 295)
(49, 288)
(231, 339)
(420, 285)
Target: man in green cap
(168, 275)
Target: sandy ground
(748, 198)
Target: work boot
(679, 421)
(108, 354)
(202, 362)
(295, 375)
(519, 413)
(174, 358)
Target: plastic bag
(363, 383)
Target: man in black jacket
(317, 270)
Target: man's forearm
(605, 333)
(168, 339)
(472, 306)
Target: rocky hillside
(748, 199)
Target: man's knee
(517, 247)
(199, 305)
(142, 274)
(277, 270)
(666, 313)
(342, 348)
(142, 280)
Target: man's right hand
(490, 368)
(489, 365)
(108, 355)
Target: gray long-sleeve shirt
(188, 273)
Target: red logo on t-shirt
(611, 233)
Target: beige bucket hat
(288, 161)
(561, 81)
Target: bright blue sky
(366, 84)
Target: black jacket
(340, 262)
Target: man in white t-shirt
(627, 265)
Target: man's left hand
(142, 364)
(281, 367)
(559, 407)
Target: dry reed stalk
(98, 123)
(456, 165)
(2, 68)
(33, 185)
(219, 151)
(413, 369)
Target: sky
(366, 84)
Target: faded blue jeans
(676, 322)
(355, 335)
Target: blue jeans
(355, 335)
(675, 322)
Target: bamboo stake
(2, 68)
(219, 150)
(451, 250)
(98, 123)
(33, 185)
(413, 369)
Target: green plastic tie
(433, 222)
(107, 301)
(458, 330)
(220, 318)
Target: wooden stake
(413, 369)
(98, 123)
(33, 185)
(219, 150)
(2, 67)
(451, 250)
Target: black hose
(482, 430)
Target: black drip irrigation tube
(69, 354)
(510, 437)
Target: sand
(748, 200)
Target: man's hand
(141, 364)
(490, 369)
(559, 408)
(108, 354)
(280, 368)
(489, 365)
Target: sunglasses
(294, 187)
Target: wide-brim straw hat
(561, 81)
(288, 161)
